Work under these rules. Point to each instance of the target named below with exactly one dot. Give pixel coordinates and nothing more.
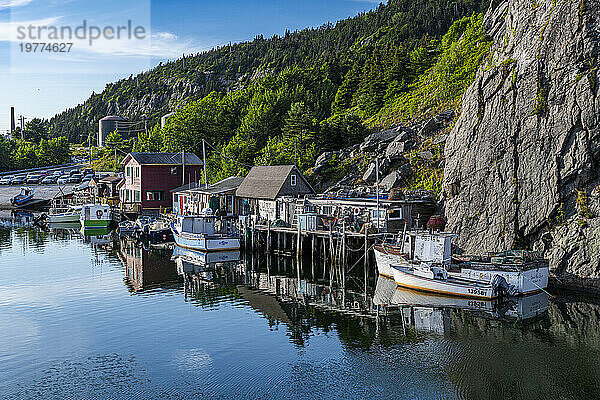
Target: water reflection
(146, 267)
(392, 298)
(269, 327)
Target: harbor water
(93, 317)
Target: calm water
(81, 320)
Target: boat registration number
(476, 292)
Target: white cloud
(8, 30)
(153, 44)
(13, 3)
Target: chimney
(12, 120)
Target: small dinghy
(23, 197)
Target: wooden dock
(339, 250)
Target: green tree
(36, 130)
(299, 134)
(24, 156)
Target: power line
(227, 157)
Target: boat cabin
(197, 224)
(220, 197)
(428, 248)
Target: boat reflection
(430, 312)
(196, 267)
(96, 236)
(66, 226)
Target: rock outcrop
(524, 154)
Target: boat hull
(63, 218)
(20, 200)
(526, 281)
(385, 261)
(95, 223)
(205, 243)
(408, 280)
(395, 266)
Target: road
(66, 167)
(42, 192)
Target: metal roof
(110, 179)
(266, 182)
(227, 184)
(163, 158)
(113, 118)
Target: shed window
(173, 170)
(155, 195)
(293, 180)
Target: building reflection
(147, 268)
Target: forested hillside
(398, 27)
(287, 99)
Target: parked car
(50, 179)
(75, 178)
(58, 173)
(87, 178)
(62, 180)
(18, 180)
(88, 171)
(34, 178)
(5, 180)
(73, 172)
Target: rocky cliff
(522, 160)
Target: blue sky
(40, 84)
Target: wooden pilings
(339, 251)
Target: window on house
(293, 180)
(156, 195)
(173, 170)
(137, 196)
(137, 172)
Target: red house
(150, 177)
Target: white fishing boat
(95, 216)
(198, 232)
(523, 272)
(388, 294)
(67, 214)
(424, 267)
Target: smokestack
(12, 120)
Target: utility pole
(204, 156)
(183, 167)
(377, 189)
(22, 119)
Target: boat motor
(500, 285)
